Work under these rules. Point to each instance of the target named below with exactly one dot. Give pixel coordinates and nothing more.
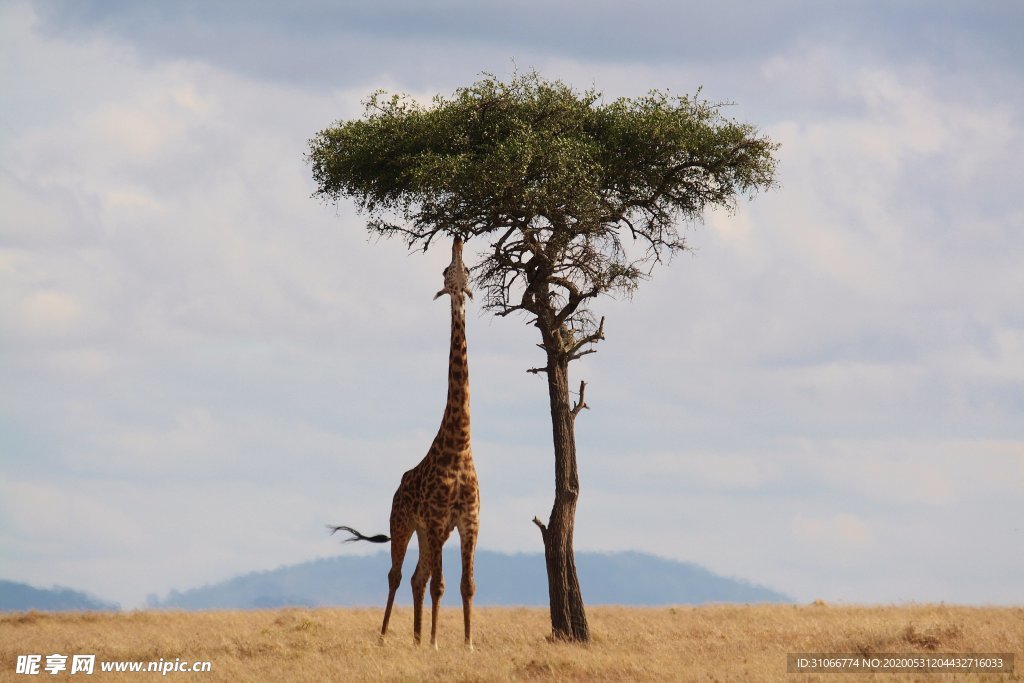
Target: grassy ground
(716, 643)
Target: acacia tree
(575, 197)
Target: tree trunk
(568, 618)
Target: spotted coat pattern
(441, 493)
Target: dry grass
(717, 643)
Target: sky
(201, 365)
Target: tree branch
(580, 404)
(598, 335)
(580, 354)
(543, 530)
(509, 310)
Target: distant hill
(626, 578)
(18, 597)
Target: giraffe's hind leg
(399, 544)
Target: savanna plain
(707, 643)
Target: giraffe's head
(456, 275)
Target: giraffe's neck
(455, 425)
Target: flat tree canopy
(543, 171)
(573, 197)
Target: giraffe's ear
(468, 291)
(438, 295)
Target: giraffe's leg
(436, 587)
(399, 544)
(467, 539)
(419, 586)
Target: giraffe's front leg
(436, 591)
(467, 538)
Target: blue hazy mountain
(19, 597)
(621, 578)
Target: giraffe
(441, 493)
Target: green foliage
(552, 178)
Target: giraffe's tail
(356, 536)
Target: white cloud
(49, 312)
(843, 531)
